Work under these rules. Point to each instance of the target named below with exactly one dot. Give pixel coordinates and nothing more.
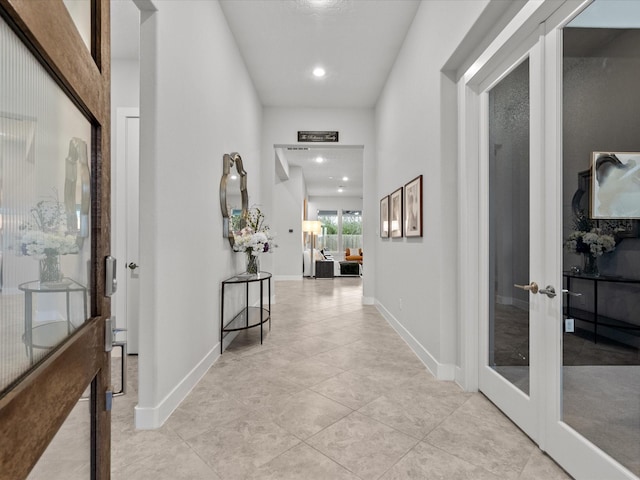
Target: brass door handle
(532, 287)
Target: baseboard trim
(150, 418)
(441, 371)
(460, 378)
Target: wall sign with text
(317, 136)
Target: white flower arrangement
(587, 238)
(593, 242)
(46, 233)
(256, 237)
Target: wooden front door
(54, 226)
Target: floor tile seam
(132, 462)
(265, 464)
(399, 460)
(319, 431)
(333, 400)
(209, 465)
(220, 474)
(440, 418)
(470, 461)
(307, 386)
(529, 459)
(419, 439)
(330, 458)
(459, 457)
(220, 425)
(487, 418)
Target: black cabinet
(594, 317)
(324, 269)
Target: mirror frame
(77, 168)
(228, 161)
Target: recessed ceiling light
(319, 72)
(340, 190)
(345, 179)
(319, 159)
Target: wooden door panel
(32, 410)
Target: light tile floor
(333, 393)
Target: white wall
(356, 127)
(125, 86)
(197, 103)
(416, 134)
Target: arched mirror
(234, 199)
(77, 190)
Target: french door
(581, 408)
(54, 234)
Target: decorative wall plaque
(317, 136)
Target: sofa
(351, 256)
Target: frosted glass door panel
(45, 207)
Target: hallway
(334, 393)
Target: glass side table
(248, 317)
(49, 334)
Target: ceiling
(325, 178)
(356, 41)
(282, 41)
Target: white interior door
(511, 181)
(544, 108)
(127, 224)
(592, 408)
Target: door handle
(132, 266)
(532, 287)
(549, 291)
(573, 294)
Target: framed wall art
(384, 217)
(413, 208)
(615, 185)
(396, 213)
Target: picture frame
(581, 204)
(413, 208)
(395, 215)
(615, 186)
(384, 217)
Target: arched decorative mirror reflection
(234, 199)
(77, 190)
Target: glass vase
(253, 263)
(590, 265)
(50, 271)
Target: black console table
(593, 317)
(248, 317)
